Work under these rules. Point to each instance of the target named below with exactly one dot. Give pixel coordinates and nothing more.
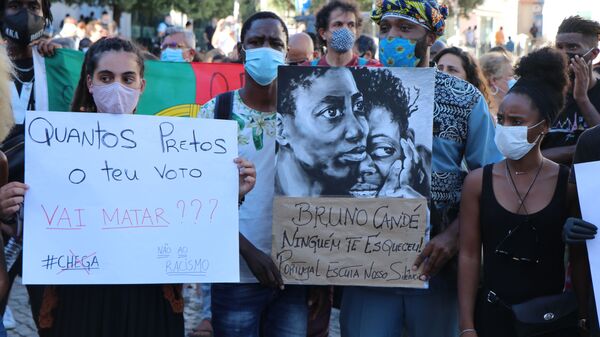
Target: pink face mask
(115, 98)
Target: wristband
(466, 331)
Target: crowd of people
(506, 255)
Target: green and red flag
(172, 89)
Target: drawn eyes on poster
(359, 132)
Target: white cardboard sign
(588, 186)
(129, 199)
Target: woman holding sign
(515, 210)
(112, 80)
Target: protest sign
(128, 199)
(354, 132)
(345, 241)
(173, 89)
(588, 186)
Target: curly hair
(590, 29)
(82, 99)
(259, 16)
(472, 69)
(544, 78)
(382, 89)
(324, 14)
(7, 120)
(296, 78)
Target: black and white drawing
(362, 132)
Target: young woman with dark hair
(515, 209)
(111, 82)
(457, 62)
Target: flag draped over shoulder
(172, 89)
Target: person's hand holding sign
(247, 176)
(261, 265)
(438, 251)
(11, 199)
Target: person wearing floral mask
(462, 129)
(338, 23)
(259, 305)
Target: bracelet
(465, 331)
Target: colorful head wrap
(427, 13)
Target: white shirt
(256, 142)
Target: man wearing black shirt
(578, 38)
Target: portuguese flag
(172, 89)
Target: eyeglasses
(521, 244)
(173, 45)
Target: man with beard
(578, 38)
(323, 135)
(462, 128)
(337, 24)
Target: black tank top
(535, 236)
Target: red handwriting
(134, 218)
(65, 219)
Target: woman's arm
(469, 257)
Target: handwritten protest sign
(588, 186)
(345, 241)
(126, 199)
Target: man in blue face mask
(338, 23)
(259, 303)
(178, 46)
(462, 128)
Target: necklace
(514, 187)
(23, 70)
(23, 82)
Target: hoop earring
(495, 92)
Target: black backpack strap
(224, 106)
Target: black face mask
(23, 27)
(585, 56)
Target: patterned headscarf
(427, 13)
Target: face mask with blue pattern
(342, 40)
(398, 52)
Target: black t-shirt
(570, 123)
(588, 148)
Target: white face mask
(115, 98)
(512, 140)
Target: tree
(196, 9)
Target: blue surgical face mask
(511, 83)
(342, 40)
(172, 55)
(398, 52)
(261, 64)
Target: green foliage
(196, 9)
